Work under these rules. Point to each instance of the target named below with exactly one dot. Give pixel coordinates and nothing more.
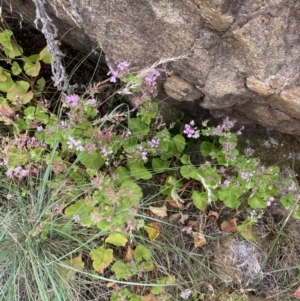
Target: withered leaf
(229, 226)
(199, 239)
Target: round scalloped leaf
(159, 165)
(16, 69)
(6, 81)
(80, 210)
(117, 239)
(141, 252)
(102, 258)
(32, 65)
(19, 90)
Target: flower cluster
(142, 151)
(191, 131)
(270, 201)
(121, 68)
(18, 172)
(151, 79)
(72, 100)
(185, 294)
(73, 143)
(246, 175)
(154, 142)
(91, 102)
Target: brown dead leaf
(229, 226)
(174, 204)
(178, 217)
(6, 114)
(213, 213)
(149, 297)
(159, 211)
(113, 285)
(129, 254)
(199, 239)
(174, 217)
(194, 224)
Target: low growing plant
(75, 175)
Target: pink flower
(121, 68)
(76, 144)
(76, 218)
(9, 173)
(72, 100)
(91, 101)
(114, 74)
(123, 65)
(191, 131)
(270, 201)
(185, 294)
(154, 142)
(151, 79)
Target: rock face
(243, 55)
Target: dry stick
(50, 32)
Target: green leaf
(164, 137)
(246, 230)
(41, 116)
(185, 159)
(17, 157)
(130, 78)
(141, 252)
(133, 190)
(35, 154)
(19, 89)
(78, 175)
(159, 165)
(206, 148)
(102, 258)
(117, 239)
(92, 161)
(138, 127)
(32, 65)
(177, 144)
(30, 113)
(256, 201)
(6, 81)
(190, 171)
(45, 56)
(41, 84)
(22, 125)
(288, 201)
(231, 195)
(122, 174)
(139, 171)
(121, 270)
(81, 209)
(5, 39)
(15, 51)
(200, 199)
(296, 213)
(157, 290)
(16, 69)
